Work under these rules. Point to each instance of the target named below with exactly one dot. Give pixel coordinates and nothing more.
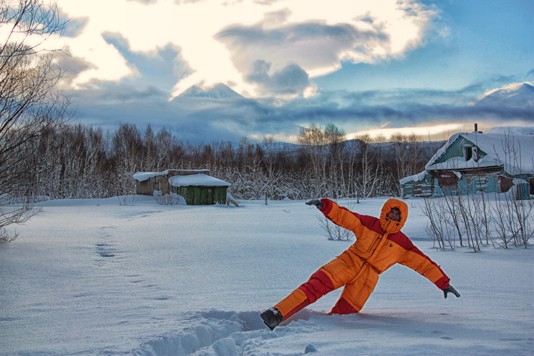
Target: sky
(428, 67)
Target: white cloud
(222, 41)
(421, 131)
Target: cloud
(71, 68)
(128, 61)
(146, 2)
(317, 47)
(421, 131)
(429, 113)
(434, 113)
(223, 41)
(73, 27)
(290, 80)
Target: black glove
(451, 290)
(315, 202)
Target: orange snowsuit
(379, 245)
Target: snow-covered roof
(415, 178)
(142, 176)
(197, 180)
(513, 152)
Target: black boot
(271, 318)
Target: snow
(415, 178)
(98, 277)
(198, 180)
(142, 176)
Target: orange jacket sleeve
(421, 263)
(341, 216)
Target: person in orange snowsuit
(379, 245)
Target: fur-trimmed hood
(389, 225)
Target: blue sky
(379, 66)
(486, 41)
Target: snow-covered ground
(95, 277)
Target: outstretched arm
(338, 215)
(421, 263)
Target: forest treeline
(78, 161)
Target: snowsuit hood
(392, 226)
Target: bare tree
(439, 227)
(28, 99)
(313, 147)
(324, 150)
(369, 168)
(128, 150)
(335, 138)
(501, 223)
(407, 155)
(272, 176)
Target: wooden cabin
(195, 185)
(477, 162)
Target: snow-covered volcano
(218, 91)
(520, 95)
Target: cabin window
(481, 183)
(468, 152)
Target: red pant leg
(338, 272)
(318, 285)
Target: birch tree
(28, 99)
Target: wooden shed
(195, 185)
(418, 185)
(200, 189)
